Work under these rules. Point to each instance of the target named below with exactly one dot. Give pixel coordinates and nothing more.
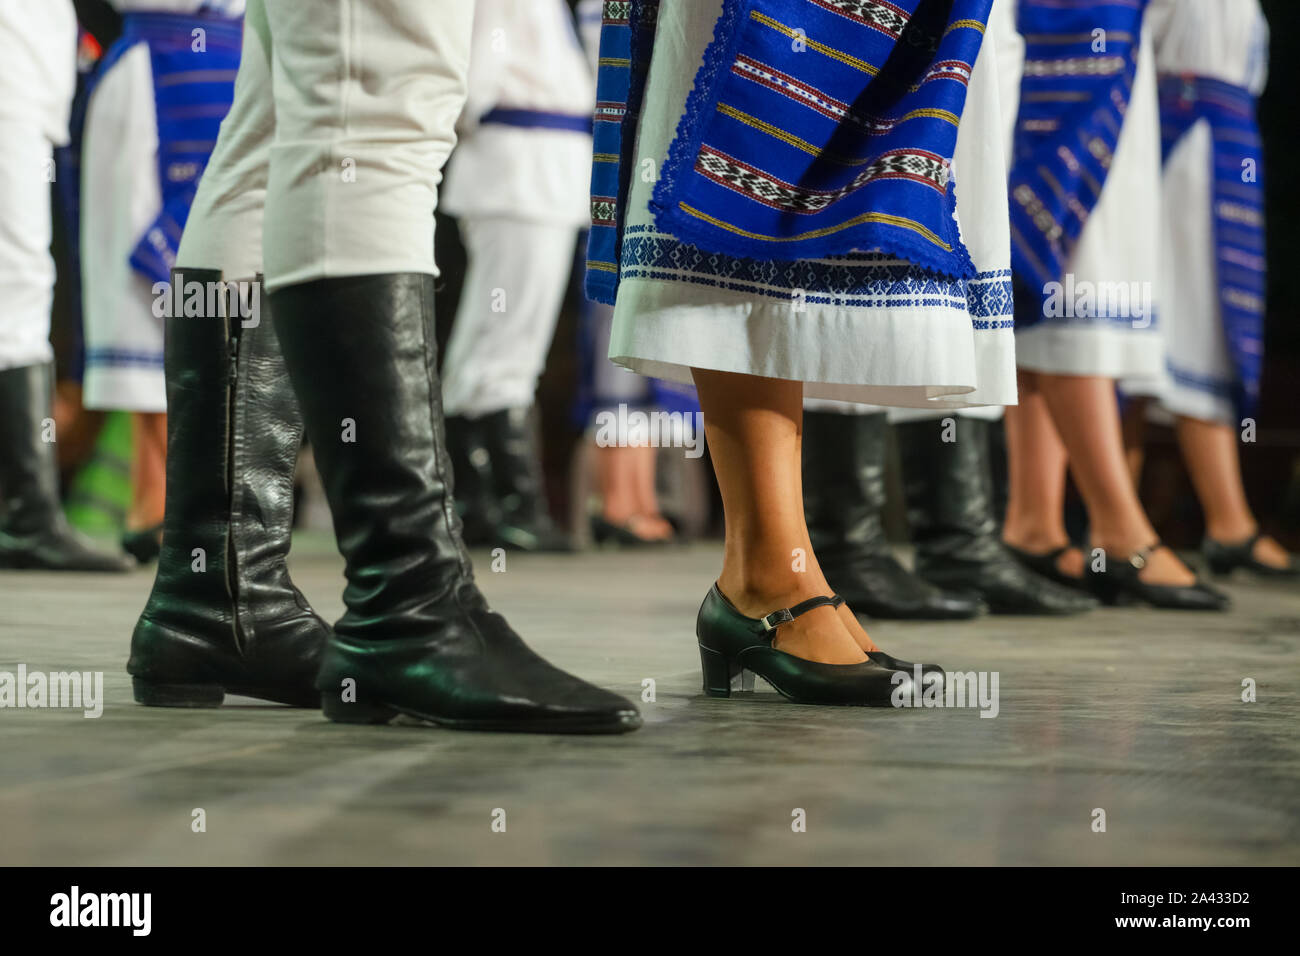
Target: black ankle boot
(522, 523)
(227, 619)
(472, 469)
(417, 637)
(34, 533)
(949, 507)
(843, 494)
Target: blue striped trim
(538, 119)
(123, 358)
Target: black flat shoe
(731, 644)
(604, 531)
(145, 544)
(1045, 565)
(1226, 558)
(1121, 583)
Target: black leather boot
(34, 534)
(223, 616)
(949, 506)
(417, 637)
(472, 469)
(522, 523)
(843, 494)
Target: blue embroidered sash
(815, 128)
(193, 90)
(1080, 62)
(626, 39)
(1238, 213)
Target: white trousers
(331, 155)
(514, 287)
(26, 266)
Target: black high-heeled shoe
(1120, 583)
(733, 644)
(605, 531)
(1226, 558)
(1045, 564)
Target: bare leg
(1036, 457)
(1086, 413)
(1135, 436)
(1213, 461)
(624, 472)
(653, 524)
(754, 427)
(148, 470)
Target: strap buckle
(774, 620)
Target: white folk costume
(517, 183)
(38, 50)
(1212, 57)
(154, 109)
(349, 181)
(868, 304)
(1085, 199)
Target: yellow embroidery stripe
(601, 266)
(879, 217)
(778, 133)
(822, 48)
(945, 115)
(959, 24)
(605, 158)
(615, 61)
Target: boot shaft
(29, 474)
(844, 480)
(947, 484)
(361, 354)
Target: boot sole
(154, 694)
(342, 712)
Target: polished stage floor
(1131, 712)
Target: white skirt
(120, 199)
(859, 328)
(1199, 379)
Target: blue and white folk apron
(1212, 293)
(868, 326)
(154, 112)
(1084, 191)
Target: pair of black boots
(34, 534)
(962, 569)
(351, 360)
(499, 493)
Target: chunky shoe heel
(354, 712)
(177, 695)
(734, 648)
(718, 673)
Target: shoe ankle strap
(785, 615)
(1141, 556)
